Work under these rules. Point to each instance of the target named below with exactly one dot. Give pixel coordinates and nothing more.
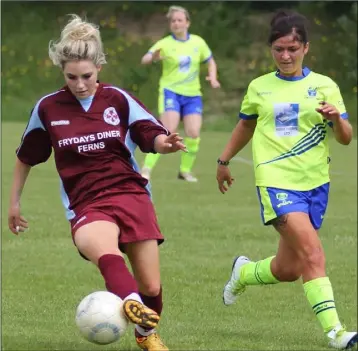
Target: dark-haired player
(287, 114)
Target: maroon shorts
(133, 213)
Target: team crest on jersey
(110, 116)
(312, 92)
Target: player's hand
(17, 223)
(223, 175)
(213, 82)
(156, 56)
(167, 144)
(328, 111)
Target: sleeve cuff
(343, 116)
(244, 116)
(207, 59)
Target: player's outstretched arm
(17, 223)
(165, 144)
(151, 57)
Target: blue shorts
(185, 105)
(277, 202)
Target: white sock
(140, 330)
(133, 296)
(144, 332)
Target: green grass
(43, 277)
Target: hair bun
(280, 15)
(80, 40)
(286, 22)
(287, 15)
(82, 33)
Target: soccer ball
(100, 317)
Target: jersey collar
(305, 72)
(99, 88)
(98, 91)
(187, 37)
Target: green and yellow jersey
(290, 146)
(181, 64)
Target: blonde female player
(181, 54)
(287, 114)
(93, 129)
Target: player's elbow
(146, 59)
(346, 140)
(343, 132)
(345, 137)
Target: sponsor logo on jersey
(262, 93)
(62, 122)
(286, 119)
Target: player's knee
(193, 133)
(313, 257)
(289, 273)
(150, 288)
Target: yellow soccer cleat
(140, 314)
(151, 342)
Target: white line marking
(242, 159)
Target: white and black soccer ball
(100, 317)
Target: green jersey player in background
(287, 113)
(181, 54)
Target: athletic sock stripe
(324, 309)
(257, 273)
(320, 303)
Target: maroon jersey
(93, 141)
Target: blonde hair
(173, 9)
(79, 40)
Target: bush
(236, 32)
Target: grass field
(43, 277)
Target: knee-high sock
(319, 294)
(257, 273)
(188, 158)
(117, 277)
(151, 160)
